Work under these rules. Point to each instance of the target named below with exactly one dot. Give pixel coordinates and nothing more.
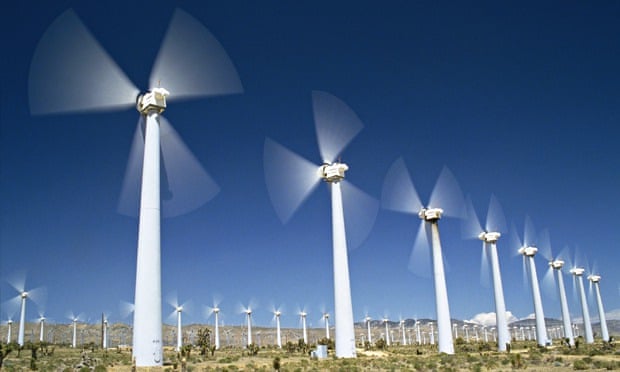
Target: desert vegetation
(297, 356)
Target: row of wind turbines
(68, 49)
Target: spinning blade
(290, 178)
(496, 221)
(398, 193)
(125, 308)
(360, 212)
(447, 195)
(420, 258)
(471, 227)
(485, 274)
(71, 72)
(192, 63)
(336, 124)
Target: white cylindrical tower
(368, 319)
(387, 332)
(587, 325)
(503, 336)
(431, 334)
(22, 319)
(74, 341)
(566, 323)
(42, 331)
(402, 327)
(179, 329)
(303, 327)
(217, 328)
(248, 313)
(444, 332)
(343, 308)
(8, 332)
(147, 323)
(326, 317)
(278, 334)
(595, 279)
(541, 329)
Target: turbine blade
(447, 195)
(514, 241)
(129, 200)
(125, 308)
(420, 259)
(11, 306)
(17, 280)
(548, 283)
(172, 299)
(192, 63)
(71, 72)
(290, 178)
(360, 211)
(398, 193)
(190, 186)
(544, 245)
(38, 295)
(496, 221)
(526, 269)
(470, 225)
(336, 124)
(484, 267)
(529, 233)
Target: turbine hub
(9, 322)
(24, 295)
(430, 214)
(326, 316)
(577, 271)
(594, 278)
(333, 173)
(278, 313)
(152, 101)
(179, 309)
(557, 264)
(489, 237)
(216, 310)
(528, 251)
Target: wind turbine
(587, 325)
(248, 314)
(367, 319)
(178, 310)
(402, 327)
(326, 320)
(104, 331)
(386, 321)
(42, 327)
(446, 199)
(215, 310)
(290, 180)
(495, 224)
(555, 266)
(595, 280)
(37, 295)
(191, 63)
(528, 250)
(74, 320)
(302, 317)
(276, 315)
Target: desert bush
(581, 365)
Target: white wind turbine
(368, 319)
(302, 317)
(191, 63)
(216, 311)
(495, 224)
(587, 324)
(104, 331)
(402, 328)
(290, 179)
(528, 250)
(446, 199)
(595, 280)
(9, 329)
(386, 322)
(41, 320)
(556, 265)
(178, 310)
(248, 314)
(37, 295)
(276, 316)
(74, 320)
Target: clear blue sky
(518, 99)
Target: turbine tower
(216, 311)
(277, 314)
(42, 330)
(291, 178)
(191, 63)
(367, 319)
(587, 325)
(179, 311)
(248, 313)
(326, 320)
(386, 321)
(104, 331)
(9, 327)
(557, 265)
(495, 224)
(400, 195)
(402, 327)
(302, 315)
(74, 339)
(528, 251)
(596, 279)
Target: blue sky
(518, 99)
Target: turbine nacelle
(303, 314)
(179, 309)
(577, 271)
(248, 311)
(24, 295)
(333, 173)
(489, 237)
(556, 264)
(430, 214)
(277, 313)
(216, 310)
(594, 278)
(152, 101)
(528, 251)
